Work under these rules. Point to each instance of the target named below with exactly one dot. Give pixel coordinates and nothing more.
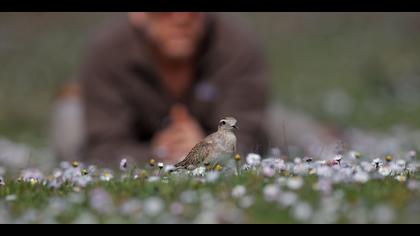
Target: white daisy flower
(338, 158)
(2, 183)
(123, 164)
(355, 155)
(276, 163)
(271, 192)
(395, 168)
(361, 177)
(169, 168)
(246, 167)
(137, 173)
(383, 214)
(55, 183)
(302, 211)
(189, 197)
(324, 171)
(301, 169)
(206, 217)
(281, 181)
(401, 164)
(76, 198)
(86, 217)
(308, 159)
(65, 165)
(131, 207)
(212, 176)
(83, 181)
(401, 178)
(153, 206)
(32, 174)
(246, 201)
(152, 179)
(377, 163)
(412, 154)
(57, 173)
(200, 171)
(368, 167)
(106, 175)
(238, 191)
(165, 179)
(10, 198)
(101, 201)
(312, 171)
(297, 160)
(124, 176)
(71, 173)
(324, 185)
(321, 162)
(413, 185)
(177, 208)
(295, 183)
(412, 168)
(275, 152)
(288, 199)
(93, 170)
(253, 159)
(385, 171)
(268, 171)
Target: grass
(366, 196)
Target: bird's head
(228, 124)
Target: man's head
(176, 35)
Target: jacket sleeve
(109, 119)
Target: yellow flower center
(75, 164)
(85, 172)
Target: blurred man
(67, 122)
(154, 84)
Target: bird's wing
(196, 156)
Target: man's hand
(173, 143)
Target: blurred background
(346, 70)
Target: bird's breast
(226, 142)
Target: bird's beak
(235, 127)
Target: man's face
(175, 34)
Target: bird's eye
(222, 122)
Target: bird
(213, 148)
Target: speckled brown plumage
(220, 144)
